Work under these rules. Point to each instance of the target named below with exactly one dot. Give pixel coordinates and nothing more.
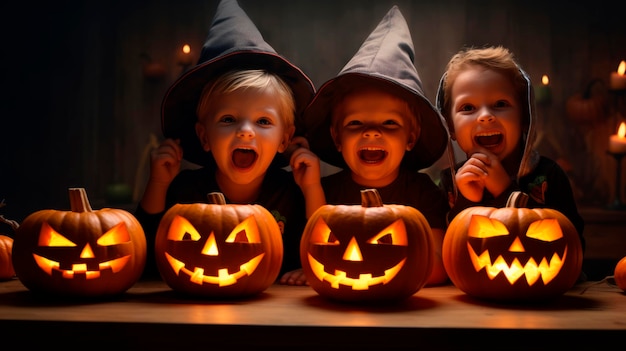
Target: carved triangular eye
(181, 229)
(394, 234)
(545, 230)
(50, 237)
(484, 227)
(116, 235)
(321, 234)
(245, 232)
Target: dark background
(77, 110)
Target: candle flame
(622, 68)
(545, 80)
(621, 132)
(186, 49)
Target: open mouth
(489, 140)
(244, 158)
(372, 155)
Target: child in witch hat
(234, 113)
(374, 121)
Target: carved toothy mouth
(362, 283)
(533, 271)
(223, 278)
(80, 269)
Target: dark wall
(77, 110)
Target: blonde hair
(259, 80)
(495, 58)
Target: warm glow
(622, 68)
(545, 80)
(352, 252)
(186, 49)
(621, 131)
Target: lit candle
(184, 56)
(543, 93)
(617, 143)
(618, 79)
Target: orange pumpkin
(588, 107)
(620, 274)
(6, 264)
(512, 253)
(367, 252)
(218, 249)
(82, 252)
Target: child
(233, 114)
(373, 121)
(488, 103)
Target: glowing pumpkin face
(218, 250)
(80, 252)
(512, 253)
(367, 253)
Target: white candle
(617, 143)
(618, 79)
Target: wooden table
(151, 316)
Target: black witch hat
(385, 60)
(233, 42)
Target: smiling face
(486, 112)
(372, 130)
(244, 130)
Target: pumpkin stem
(216, 198)
(371, 198)
(10, 222)
(517, 199)
(589, 88)
(79, 201)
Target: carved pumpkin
(588, 107)
(6, 264)
(218, 249)
(512, 253)
(620, 274)
(82, 252)
(367, 252)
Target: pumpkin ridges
(6, 264)
(517, 220)
(81, 228)
(620, 274)
(221, 219)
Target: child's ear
(203, 136)
(287, 136)
(336, 139)
(410, 143)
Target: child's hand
(470, 179)
(295, 277)
(497, 179)
(305, 165)
(165, 161)
(482, 170)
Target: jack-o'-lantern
(512, 253)
(368, 252)
(218, 250)
(82, 252)
(620, 274)
(589, 106)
